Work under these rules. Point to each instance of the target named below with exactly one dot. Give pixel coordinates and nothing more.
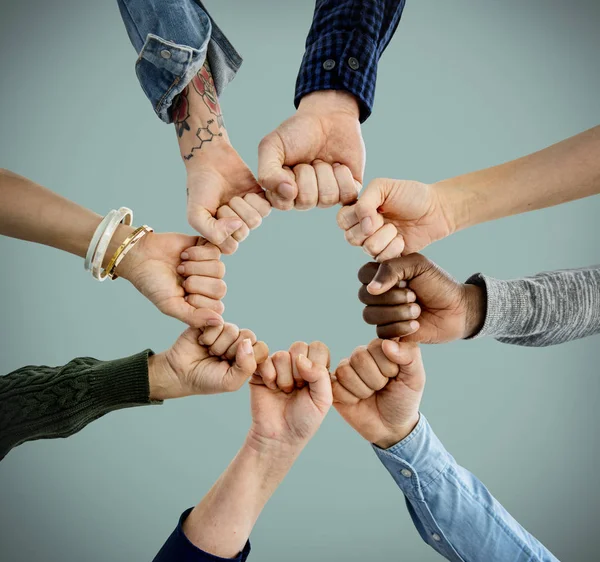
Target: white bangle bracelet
(123, 215)
(95, 239)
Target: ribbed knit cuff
(507, 307)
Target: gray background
(463, 85)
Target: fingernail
(305, 361)
(402, 284)
(286, 190)
(414, 325)
(214, 322)
(414, 311)
(247, 346)
(185, 298)
(180, 269)
(184, 255)
(411, 297)
(336, 164)
(366, 225)
(375, 285)
(235, 224)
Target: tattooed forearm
(198, 96)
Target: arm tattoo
(203, 86)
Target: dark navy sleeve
(343, 47)
(178, 548)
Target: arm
(453, 511)
(184, 64)
(283, 422)
(165, 268)
(343, 48)
(173, 38)
(39, 402)
(424, 213)
(546, 309)
(378, 392)
(317, 157)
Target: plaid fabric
(353, 34)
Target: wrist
(122, 232)
(476, 308)
(271, 449)
(163, 382)
(328, 101)
(398, 434)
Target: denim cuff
(164, 69)
(340, 61)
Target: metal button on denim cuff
(329, 64)
(436, 537)
(353, 63)
(406, 473)
(165, 54)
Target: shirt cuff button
(165, 54)
(329, 64)
(406, 473)
(436, 537)
(353, 63)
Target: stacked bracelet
(101, 240)
(124, 249)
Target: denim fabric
(179, 549)
(173, 38)
(452, 510)
(351, 34)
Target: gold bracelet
(124, 248)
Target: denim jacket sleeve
(179, 549)
(173, 38)
(452, 510)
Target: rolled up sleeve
(173, 38)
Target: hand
(292, 416)
(446, 309)
(317, 157)
(378, 391)
(418, 212)
(154, 267)
(220, 359)
(220, 185)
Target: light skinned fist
(419, 213)
(413, 298)
(220, 359)
(378, 390)
(317, 157)
(293, 416)
(153, 267)
(225, 201)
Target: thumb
(199, 317)
(406, 355)
(272, 176)
(318, 379)
(243, 367)
(391, 272)
(366, 207)
(214, 230)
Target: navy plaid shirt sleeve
(343, 47)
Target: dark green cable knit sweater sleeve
(39, 402)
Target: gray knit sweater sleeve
(39, 402)
(546, 309)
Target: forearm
(563, 172)
(31, 212)
(546, 309)
(198, 118)
(452, 510)
(39, 402)
(221, 523)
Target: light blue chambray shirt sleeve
(173, 39)
(452, 510)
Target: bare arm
(562, 172)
